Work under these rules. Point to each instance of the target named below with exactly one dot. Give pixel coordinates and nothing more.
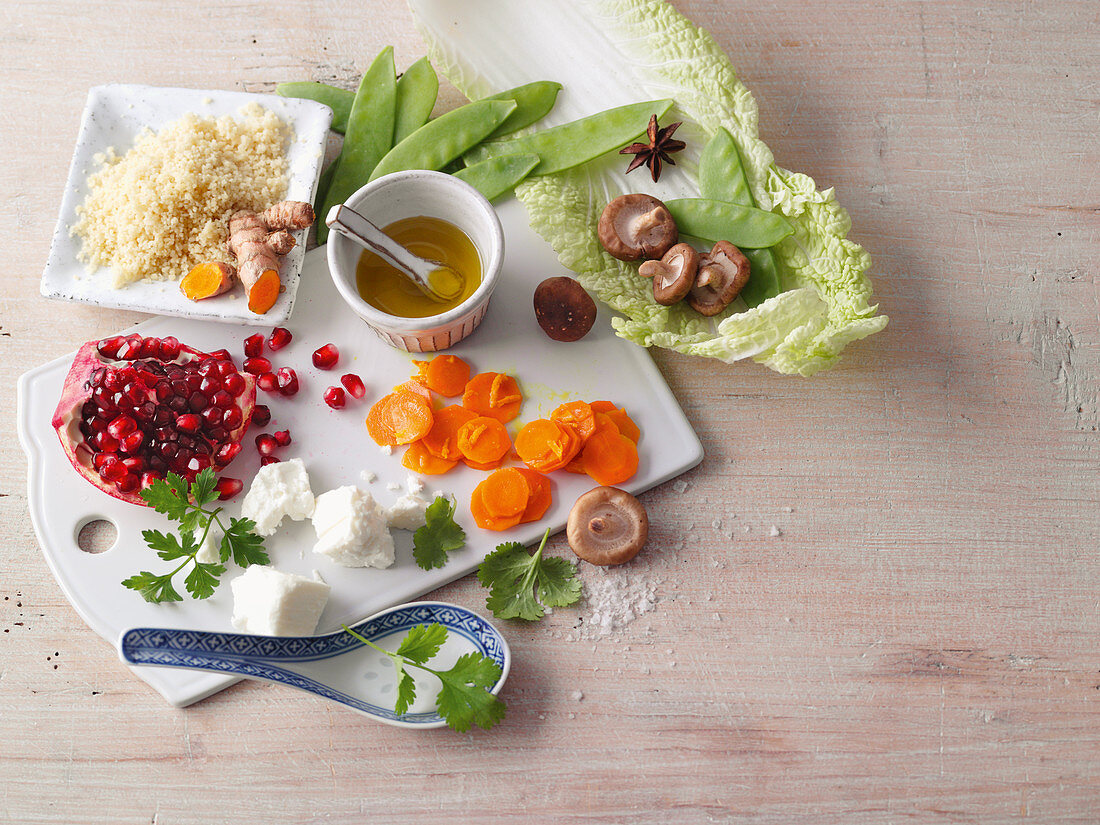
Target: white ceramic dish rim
(491, 267)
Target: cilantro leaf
(439, 535)
(422, 642)
(406, 692)
(154, 588)
(464, 698)
(203, 488)
(519, 581)
(202, 580)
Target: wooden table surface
(919, 644)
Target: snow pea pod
(722, 178)
(417, 90)
(369, 136)
(579, 141)
(717, 221)
(495, 176)
(439, 141)
(339, 100)
(533, 101)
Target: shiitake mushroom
(563, 309)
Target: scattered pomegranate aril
(325, 358)
(269, 459)
(266, 444)
(268, 382)
(261, 416)
(134, 408)
(254, 346)
(282, 438)
(228, 487)
(257, 366)
(288, 381)
(354, 385)
(334, 397)
(279, 338)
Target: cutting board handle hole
(97, 535)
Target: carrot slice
(541, 495)
(505, 493)
(419, 460)
(447, 375)
(493, 394)
(610, 458)
(602, 406)
(485, 467)
(625, 424)
(482, 517)
(483, 439)
(416, 387)
(399, 418)
(578, 415)
(442, 440)
(546, 445)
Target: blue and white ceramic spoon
(336, 666)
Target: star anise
(657, 151)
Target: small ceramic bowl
(406, 195)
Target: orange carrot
(483, 440)
(485, 467)
(442, 440)
(484, 519)
(399, 418)
(419, 460)
(546, 445)
(602, 406)
(416, 387)
(610, 458)
(447, 375)
(505, 493)
(541, 495)
(493, 394)
(578, 415)
(625, 424)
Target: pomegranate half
(133, 409)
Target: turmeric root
(207, 280)
(257, 241)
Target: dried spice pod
(563, 309)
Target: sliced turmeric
(207, 280)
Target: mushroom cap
(637, 226)
(723, 273)
(674, 275)
(563, 309)
(607, 526)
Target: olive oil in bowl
(387, 289)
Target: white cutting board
(336, 450)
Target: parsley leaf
(172, 497)
(439, 535)
(464, 698)
(518, 581)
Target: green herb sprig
(521, 583)
(439, 535)
(172, 498)
(464, 698)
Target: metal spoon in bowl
(437, 280)
(336, 666)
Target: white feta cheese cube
(210, 550)
(414, 484)
(278, 490)
(269, 602)
(351, 529)
(408, 512)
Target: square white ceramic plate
(113, 117)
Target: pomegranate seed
(189, 423)
(268, 459)
(106, 442)
(128, 483)
(100, 459)
(325, 357)
(150, 347)
(257, 366)
(266, 444)
(334, 397)
(228, 487)
(132, 443)
(134, 464)
(226, 453)
(254, 346)
(282, 438)
(353, 384)
(169, 349)
(113, 470)
(222, 355)
(280, 337)
(197, 402)
(288, 381)
(268, 382)
(211, 416)
(109, 347)
(122, 425)
(222, 400)
(232, 418)
(210, 386)
(147, 479)
(261, 416)
(234, 384)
